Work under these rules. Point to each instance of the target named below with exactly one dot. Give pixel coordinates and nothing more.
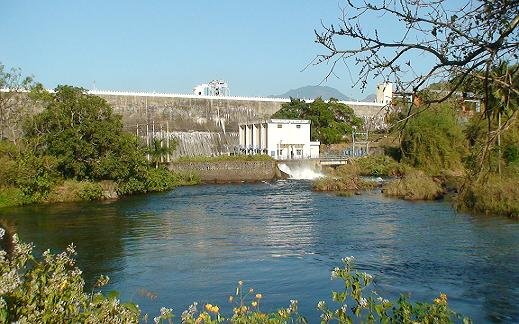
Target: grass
(497, 195)
(10, 196)
(415, 185)
(343, 186)
(222, 158)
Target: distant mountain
(370, 98)
(312, 92)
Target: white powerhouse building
(282, 139)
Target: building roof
(278, 121)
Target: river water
(282, 239)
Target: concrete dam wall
(204, 125)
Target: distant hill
(370, 98)
(312, 92)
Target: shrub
(52, 290)
(433, 140)
(11, 196)
(494, 195)
(161, 180)
(343, 185)
(379, 165)
(73, 190)
(37, 175)
(414, 186)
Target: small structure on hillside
(384, 93)
(215, 88)
(282, 139)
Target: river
(282, 239)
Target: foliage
(379, 165)
(449, 38)
(356, 305)
(506, 155)
(36, 175)
(12, 196)
(433, 140)
(495, 195)
(13, 104)
(81, 131)
(330, 121)
(51, 289)
(414, 185)
(344, 185)
(73, 190)
(159, 150)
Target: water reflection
(194, 243)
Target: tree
(330, 121)
(13, 103)
(82, 132)
(452, 38)
(430, 41)
(159, 149)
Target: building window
(298, 126)
(280, 126)
(299, 152)
(272, 153)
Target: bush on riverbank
(344, 186)
(75, 149)
(415, 185)
(433, 140)
(51, 289)
(73, 190)
(377, 165)
(495, 195)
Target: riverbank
(70, 190)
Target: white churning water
(303, 172)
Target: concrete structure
(229, 171)
(384, 93)
(282, 139)
(204, 124)
(216, 88)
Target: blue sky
(259, 47)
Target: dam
(207, 125)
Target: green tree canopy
(84, 134)
(433, 140)
(331, 120)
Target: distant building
(384, 93)
(215, 88)
(282, 139)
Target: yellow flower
(259, 296)
(231, 298)
(208, 307)
(215, 309)
(254, 303)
